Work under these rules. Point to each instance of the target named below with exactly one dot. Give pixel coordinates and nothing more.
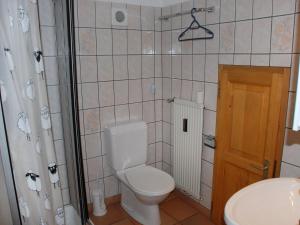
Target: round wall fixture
(119, 17)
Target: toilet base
(144, 214)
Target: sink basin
(268, 202)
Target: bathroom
(99, 71)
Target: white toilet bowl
(143, 188)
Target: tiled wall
(118, 65)
(48, 36)
(247, 32)
(118, 68)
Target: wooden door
(252, 103)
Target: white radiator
(188, 121)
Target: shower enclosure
(75, 204)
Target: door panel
(250, 127)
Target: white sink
(268, 202)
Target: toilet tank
(126, 144)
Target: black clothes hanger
(194, 26)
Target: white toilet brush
(99, 207)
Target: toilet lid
(148, 180)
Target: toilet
(142, 187)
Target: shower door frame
(8, 171)
(75, 111)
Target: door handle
(265, 168)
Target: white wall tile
(105, 68)
(88, 68)
(211, 92)
(134, 16)
(187, 90)
(122, 113)
(243, 34)
(135, 66)
(208, 154)
(93, 145)
(187, 67)
(176, 66)
(86, 13)
(121, 92)
(119, 42)
(147, 87)
(134, 42)
(286, 7)
(206, 193)
(227, 10)
(227, 37)
(291, 149)
(135, 91)
(282, 34)
(120, 67)
(209, 122)
(151, 154)
(159, 148)
(213, 17)
(87, 41)
(103, 14)
(244, 9)
(242, 59)
(262, 8)
(212, 45)
(147, 42)
(207, 173)
(111, 186)
(288, 170)
(198, 67)
(147, 66)
(104, 41)
(91, 121)
(148, 111)
(211, 68)
(261, 35)
(90, 95)
(95, 170)
(290, 110)
(147, 18)
(260, 60)
(106, 94)
(136, 111)
(281, 60)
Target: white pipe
(296, 124)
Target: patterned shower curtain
(27, 117)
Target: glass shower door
(65, 36)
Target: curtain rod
(209, 9)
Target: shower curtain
(27, 116)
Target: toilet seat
(149, 181)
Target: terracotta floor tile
(166, 219)
(172, 195)
(178, 209)
(196, 220)
(124, 222)
(114, 214)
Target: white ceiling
(153, 3)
